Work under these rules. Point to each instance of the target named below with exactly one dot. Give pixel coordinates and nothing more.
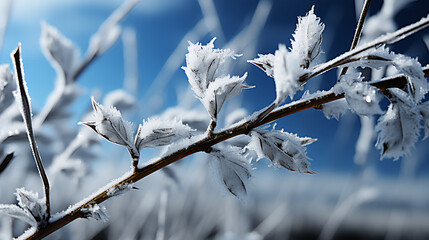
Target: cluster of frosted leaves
(232, 169)
(30, 209)
(203, 69)
(108, 123)
(361, 97)
(286, 67)
(281, 148)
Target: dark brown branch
(5, 162)
(26, 115)
(201, 146)
(358, 31)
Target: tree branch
(201, 146)
(26, 115)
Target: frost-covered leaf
(203, 65)
(97, 212)
(220, 91)
(361, 97)
(31, 202)
(399, 127)
(264, 62)
(61, 52)
(191, 117)
(282, 148)
(17, 212)
(204, 74)
(286, 74)
(307, 38)
(335, 108)
(157, 132)
(424, 111)
(233, 169)
(110, 125)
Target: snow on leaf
(17, 212)
(307, 38)
(202, 65)
(31, 202)
(97, 212)
(399, 127)
(110, 125)
(157, 132)
(220, 91)
(424, 111)
(286, 74)
(361, 97)
(264, 62)
(282, 148)
(61, 52)
(233, 169)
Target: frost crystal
(307, 38)
(203, 71)
(159, 132)
(18, 213)
(119, 189)
(233, 169)
(282, 148)
(61, 52)
(286, 74)
(399, 127)
(97, 212)
(110, 125)
(361, 97)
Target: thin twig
(26, 115)
(6, 161)
(200, 146)
(358, 31)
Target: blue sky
(161, 24)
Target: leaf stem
(26, 115)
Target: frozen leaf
(399, 127)
(335, 108)
(307, 38)
(424, 111)
(220, 91)
(202, 65)
(61, 52)
(110, 125)
(233, 169)
(119, 189)
(32, 203)
(97, 212)
(361, 97)
(159, 132)
(17, 212)
(282, 148)
(264, 62)
(286, 74)
(191, 117)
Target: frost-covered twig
(358, 30)
(385, 39)
(198, 145)
(23, 99)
